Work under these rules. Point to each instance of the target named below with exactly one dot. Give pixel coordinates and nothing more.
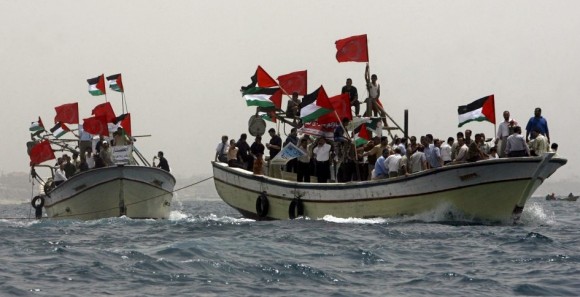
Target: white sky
(183, 63)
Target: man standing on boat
(274, 146)
(244, 152)
(352, 95)
(505, 129)
(516, 144)
(322, 154)
(539, 143)
(374, 89)
(221, 151)
(292, 138)
(539, 122)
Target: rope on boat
(113, 208)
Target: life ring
(35, 199)
(296, 209)
(262, 205)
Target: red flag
(294, 82)
(264, 79)
(67, 113)
(341, 104)
(277, 99)
(41, 152)
(352, 49)
(124, 121)
(106, 110)
(96, 125)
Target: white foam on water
(535, 214)
(333, 219)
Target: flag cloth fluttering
(97, 85)
(341, 104)
(315, 105)
(106, 110)
(59, 130)
(362, 136)
(124, 121)
(352, 49)
(480, 110)
(262, 79)
(262, 97)
(41, 152)
(37, 126)
(115, 82)
(294, 82)
(67, 113)
(96, 125)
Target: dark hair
(272, 130)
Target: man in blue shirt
(380, 170)
(537, 121)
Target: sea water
(207, 249)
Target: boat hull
(133, 191)
(488, 190)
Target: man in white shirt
(322, 153)
(59, 173)
(516, 144)
(418, 162)
(462, 153)
(446, 150)
(539, 144)
(504, 130)
(393, 163)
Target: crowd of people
(381, 158)
(95, 155)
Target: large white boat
(490, 190)
(138, 192)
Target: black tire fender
(262, 205)
(296, 209)
(35, 199)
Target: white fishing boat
(138, 192)
(490, 190)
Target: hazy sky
(183, 63)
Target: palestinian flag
(479, 110)
(59, 130)
(37, 126)
(97, 85)
(115, 82)
(261, 97)
(315, 105)
(362, 136)
(262, 79)
(268, 116)
(124, 121)
(41, 152)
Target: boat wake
(535, 215)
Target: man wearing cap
(106, 154)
